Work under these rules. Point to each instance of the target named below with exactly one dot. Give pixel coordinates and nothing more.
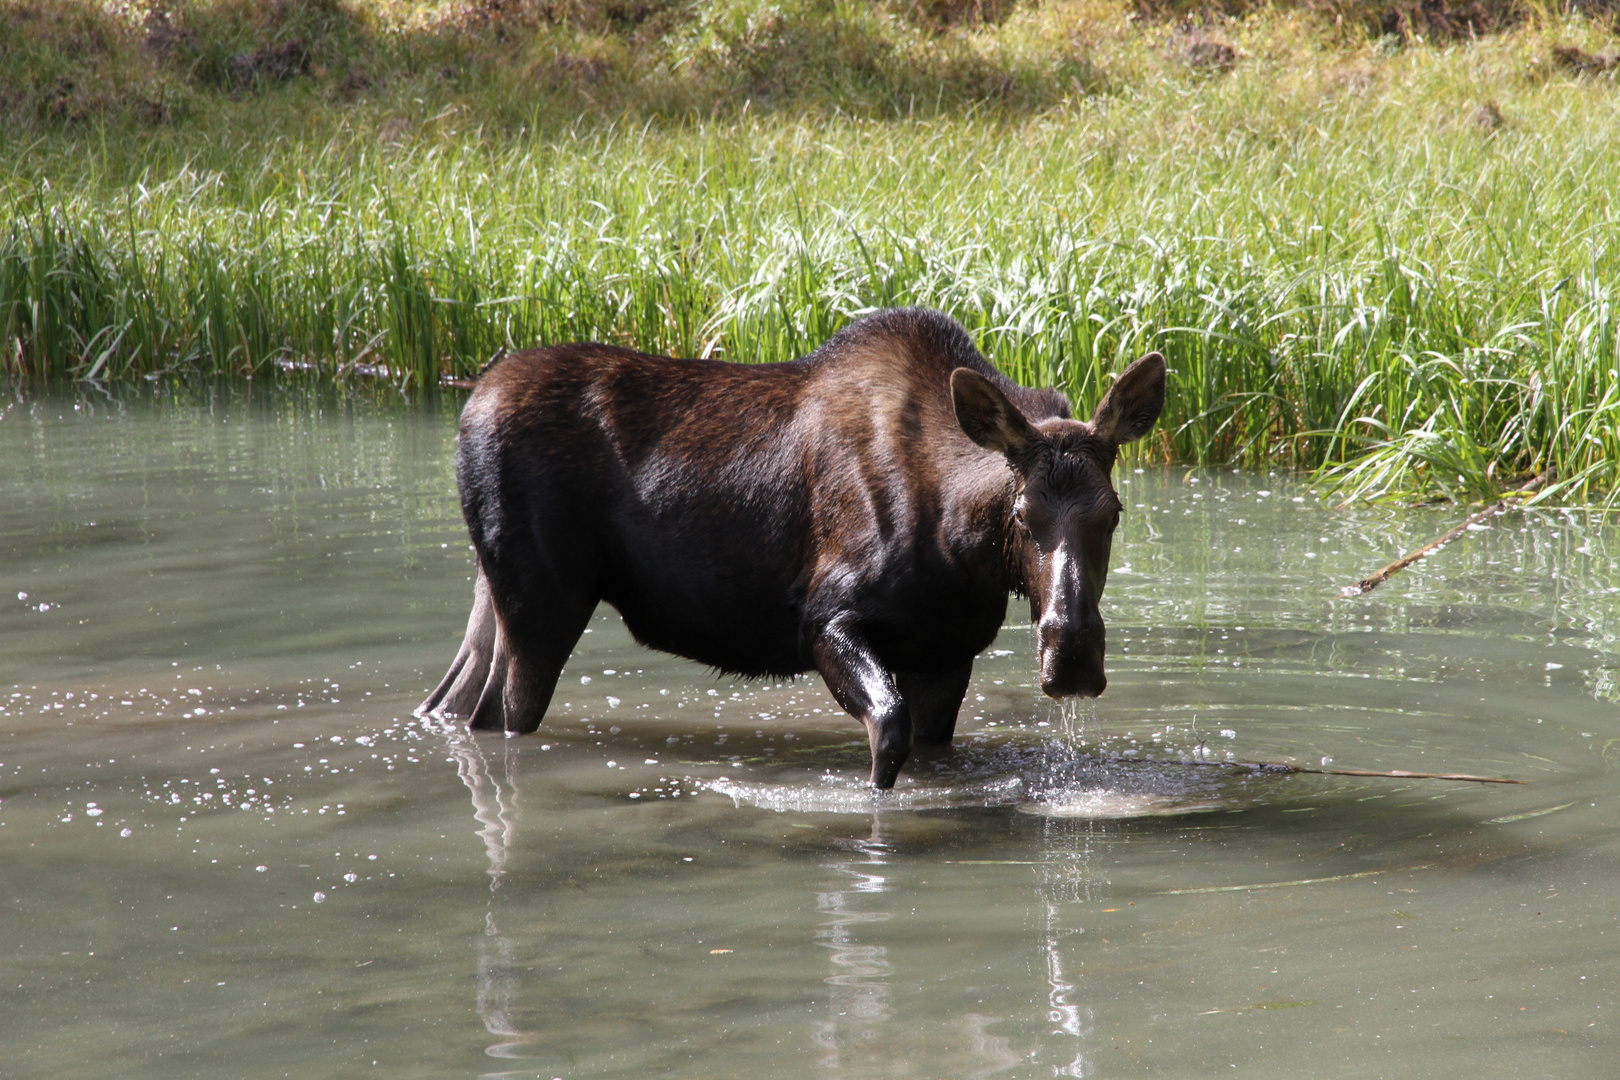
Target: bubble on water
(351, 877)
(261, 868)
(126, 832)
(320, 898)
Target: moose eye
(1018, 513)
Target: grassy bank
(1390, 256)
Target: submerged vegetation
(1380, 242)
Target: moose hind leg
(935, 699)
(531, 646)
(458, 692)
(865, 690)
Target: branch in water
(1371, 582)
(1393, 774)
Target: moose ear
(1133, 403)
(986, 415)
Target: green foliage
(1396, 266)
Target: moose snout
(1072, 658)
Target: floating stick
(1372, 581)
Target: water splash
(836, 793)
(1046, 772)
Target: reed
(1352, 265)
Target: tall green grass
(1349, 274)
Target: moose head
(1063, 508)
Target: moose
(863, 512)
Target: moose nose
(1085, 681)
(1072, 659)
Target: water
(226, 847)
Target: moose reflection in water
(864, 980)
(862, 512)
(494, 798)
(862, 992)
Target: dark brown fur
(830, 513)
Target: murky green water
(227, 849)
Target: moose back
(863, 512)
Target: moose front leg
(866, 692)
(934, 698)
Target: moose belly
(743, 618)
(936, 625)
(736, 617)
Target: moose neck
(1016, 546)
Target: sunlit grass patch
(1392, 262)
